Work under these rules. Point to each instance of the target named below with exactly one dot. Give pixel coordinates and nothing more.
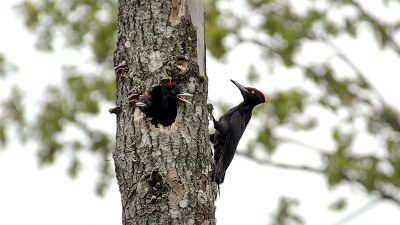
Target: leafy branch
(382, 193)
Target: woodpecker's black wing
(235, 130)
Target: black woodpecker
(229, 129)
(172, 94)
(150, 105)
(145, 104)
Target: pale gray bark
(164, 174)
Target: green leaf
(3, 137)
(252, 74)
(266, 137)
(288, 103)
(215, 33)
(285, 213)
(339, 205)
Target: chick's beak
(180, 97)
(140, 104)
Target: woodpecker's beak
(140, 104)
(180, 97)
(241, 87)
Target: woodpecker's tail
(219, 173)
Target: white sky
(29, 195)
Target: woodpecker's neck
(246, 106)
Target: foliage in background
(285, 214)
(73, 104)
(281, 29)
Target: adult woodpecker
(229, 129)
(172, 94)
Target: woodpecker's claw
(210, 109)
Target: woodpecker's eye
(174, 92)
(252, 91)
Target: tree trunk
(164, 173)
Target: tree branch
(388, 34)
(257, 42)
(288, 140)
(281, 165)
(381, 192)
(352, 65)
(356, 213)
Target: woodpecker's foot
(210, 109)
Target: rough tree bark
(164, 174)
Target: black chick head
(145, 104)
(172, 94)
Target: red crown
(258, 91)
(169, 83)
